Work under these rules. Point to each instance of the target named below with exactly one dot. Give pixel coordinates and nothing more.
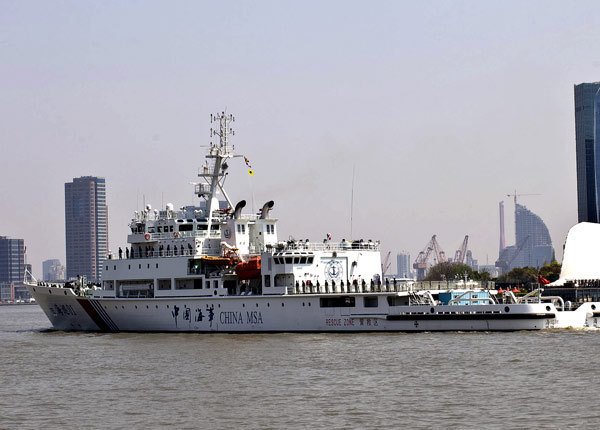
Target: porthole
(593, 306)
(257, 305)
(303, 304)
(136, 306)
(146, 306)
(506, 309)
(548, 308)
(219, 304)
(34, 290)
(268, 305)
(157, 265)
(432, 310)
(115, 307)
(308, 303)
(167, 306)
(156, 306)
(243, 305)
(283, 304)
(65, 293)
(49, 291)
(122, 307)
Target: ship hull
(294, 313)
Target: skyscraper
(403, 265)
(12, 260)
(587, 155)
(86, 226)
(12, 269)
(52, 270)
(533, 245)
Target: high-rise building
(12, 269)
(12, 260)
(587, 153)
(403, 265)
(533, 245)
(52, 270)
(86, 226)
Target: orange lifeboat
(248, 269)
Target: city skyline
(454, 118)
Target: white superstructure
(212, 268)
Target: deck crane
(459, 256)
(386, 264)
(420, 263)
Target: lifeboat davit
(248, 269)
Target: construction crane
(421, 262)
(459, 256)
(386, 264)
(515, 195)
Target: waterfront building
(403, 265)
(86, 227)
(6, 292)
(52, 270)
(12, 260)
(587, 151)
(12, 269)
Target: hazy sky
(443, 107)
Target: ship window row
(338, 302)
(293, 260)
(241, 228)
(129, 266)
(270, 229)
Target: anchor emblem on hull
(333, 269)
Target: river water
(51, 379)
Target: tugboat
(211, 268)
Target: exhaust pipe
(266, 209)
(238, 209)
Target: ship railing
(325, 246)
(164, 253)
(184, 234)
(388, 286)
(346, 288)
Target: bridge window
(338, 302)
(397, 301)
(371, 302)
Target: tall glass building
(533, 245)
(531, 230)
(12, 260)
(403, 265)
(588, 156)
(86, 226)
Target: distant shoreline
(17, 304)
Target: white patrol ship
(210, 268)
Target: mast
(214, 173)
